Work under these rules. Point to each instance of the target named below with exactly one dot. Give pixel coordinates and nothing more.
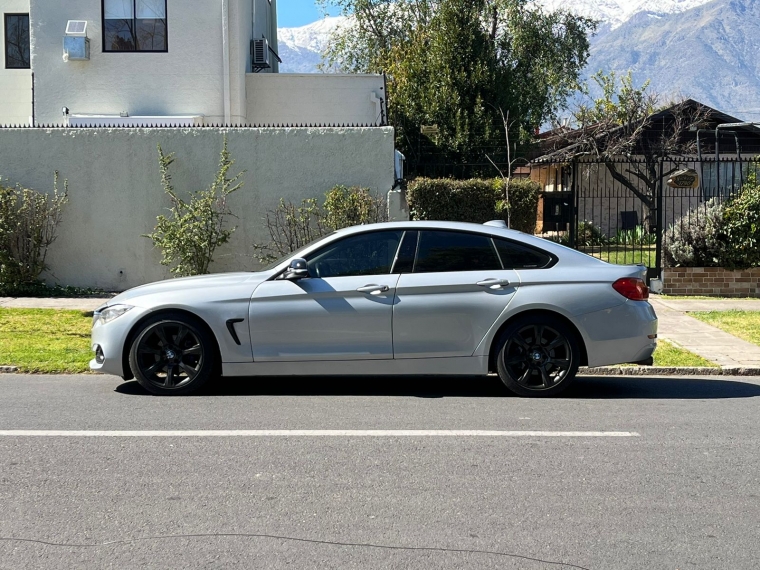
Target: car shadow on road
(585, 387)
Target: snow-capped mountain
(707, 50)
(301, 48)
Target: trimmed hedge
(474, 200)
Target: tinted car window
(516, 256)
(455, 251)
(405, 258)
(365, 254)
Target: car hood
(184, 284)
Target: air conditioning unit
(260, 54)
(76, 45)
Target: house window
(17, 41)
(134, 25)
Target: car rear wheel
(172, 354)
(538, 356)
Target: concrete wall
(315, 99)
(15, 84)
(115, 191)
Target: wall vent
(260, 54)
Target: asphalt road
(680, 490)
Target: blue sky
(293, 13)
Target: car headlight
(108, 314)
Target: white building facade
(164, 63)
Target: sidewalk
(83, 304)
(707, 341)
(675, 325)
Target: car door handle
(373, 289)
(494, 283)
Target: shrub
(345, 207)
(740, 228)
(28, 227)
(589, 235)
(693, 240)
(635, 236)
(291, 227)
(189, 236)
(474, 200)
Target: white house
(165, 63)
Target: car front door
(454, 293)
(342, 311)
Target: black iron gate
(620, 211)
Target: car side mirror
(296, 270)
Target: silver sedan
(400, 298)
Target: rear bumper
(626, 333)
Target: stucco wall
(314, 99)
(115, 191)
(15, 84)
(187, 80)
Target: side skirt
(461, 366)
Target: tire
(538, 356)
(172, 354)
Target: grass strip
(45, 341)
(51, 341)
(667, 354)
(743, 324)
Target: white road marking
(314, 433)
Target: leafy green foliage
(474, 200)
(589, 235)
(345, 207)
(189, 236)
(740, 231)
(693, 240)
(454, 64)
(28, 227)
(292, 226)
(636, 236)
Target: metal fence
(620, 211)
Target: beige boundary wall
(714, 281)
(115, 191)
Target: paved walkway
(707, 341)
(675, 325)
(83, 304)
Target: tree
(628, 122)
(455, 63)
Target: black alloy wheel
(538, 356)
(171, 355)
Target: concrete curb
(8, 369)
(668, 371)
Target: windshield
(295, 253)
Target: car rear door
(452, 294)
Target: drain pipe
(226, 61)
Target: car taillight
(632, 288)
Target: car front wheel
(538, 356)
(172, 354)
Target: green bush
(693, 240)
(28, 227)
(291, 226)
(636, 236)
(345, 207)
(589, 235)
(740, 229)
(474, 200)
(190, 234)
